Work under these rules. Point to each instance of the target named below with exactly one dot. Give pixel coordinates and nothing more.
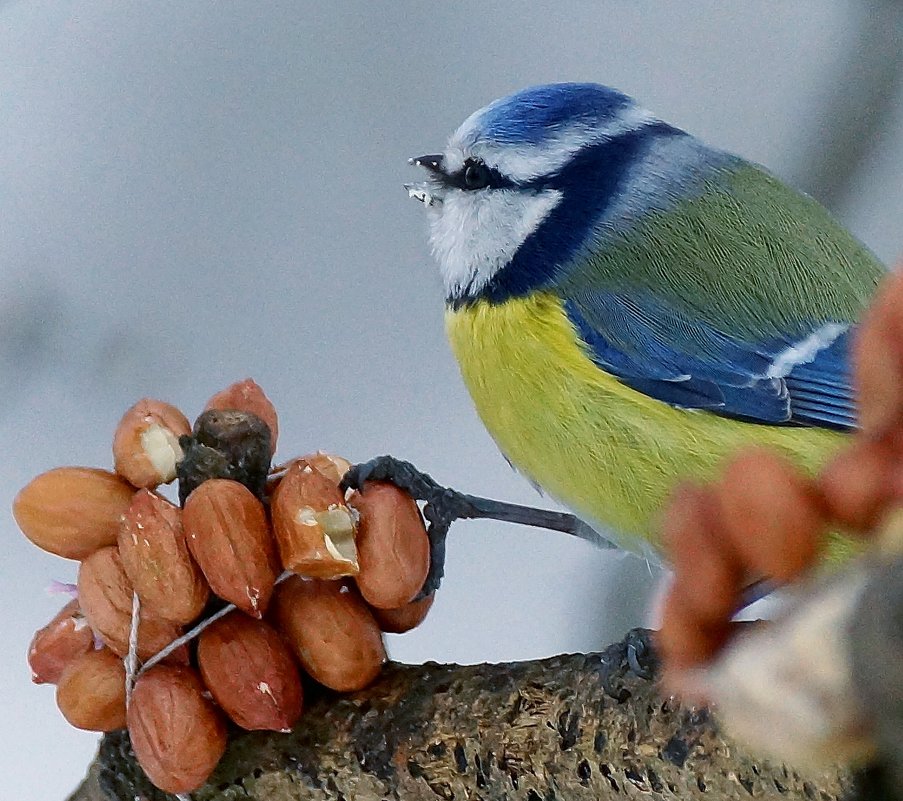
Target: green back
(756, 258)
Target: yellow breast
(609, 452)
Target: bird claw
(404, 475)
(442, 506)
(641, 659)
(634, 655)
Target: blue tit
(628, 305)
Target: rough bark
(583, 726)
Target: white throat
(475, 234)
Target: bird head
(506, 171)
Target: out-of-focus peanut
(771, 514)
(708, 574)
(878, 359)
(856, 484)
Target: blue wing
(801, 378)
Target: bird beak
(424, 192)
(432, 163)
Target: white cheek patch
(475, 234)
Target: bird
(629, 306)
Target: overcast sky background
(194, 192)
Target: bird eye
(476, 175)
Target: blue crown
(531, 114)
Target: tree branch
(582, 726)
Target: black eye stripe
(473, 175)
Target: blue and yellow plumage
(628, 306)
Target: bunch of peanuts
(185, 616)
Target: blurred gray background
(194, 192)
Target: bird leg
(443, 505)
